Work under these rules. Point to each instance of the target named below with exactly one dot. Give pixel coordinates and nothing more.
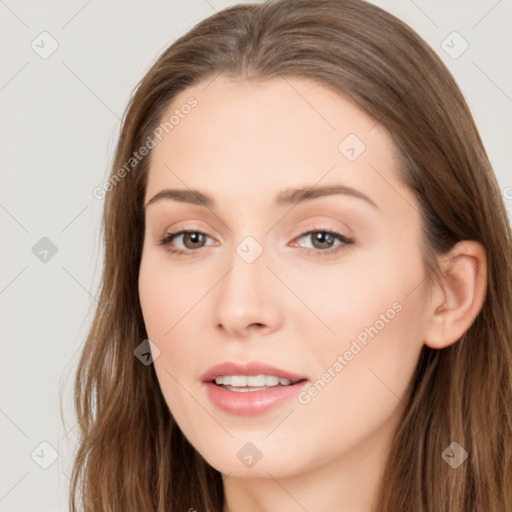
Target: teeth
(251, 380)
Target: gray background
(60, 118)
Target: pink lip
(250, 403)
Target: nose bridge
(243, 298)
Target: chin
(252, 460)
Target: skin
(293, 307)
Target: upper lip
(250, 368)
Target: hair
(131, 454)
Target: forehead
(265, 135)
(291, 109)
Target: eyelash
(166, 241)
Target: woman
(306, 284)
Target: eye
(323, 241)
(192, 240)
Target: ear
(459, 296)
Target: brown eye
(191, 241)
(323, 241)
(195, 238)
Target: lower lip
(251, 403)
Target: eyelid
(324, 229)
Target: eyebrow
(288, 197)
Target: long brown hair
(131, 454)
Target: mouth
(251, 383)
(252, 388)
(251, 374)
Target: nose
(246, 300)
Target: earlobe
(460, 294)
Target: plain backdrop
(60, 118)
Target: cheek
(374, 308)
(367, 288)
(174, 315)
(385, 343)
(163, 305)
(164, 294)
(362, 375)
(152, 300)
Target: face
(329, 290)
